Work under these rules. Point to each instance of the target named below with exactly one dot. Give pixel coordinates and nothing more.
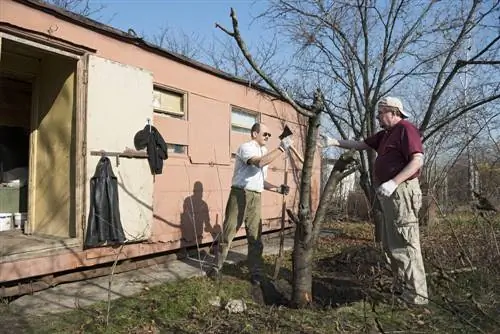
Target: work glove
(286, 143)
(327, 141)
(387, 188)
(284, 189)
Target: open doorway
(37, 145)
(15, 125)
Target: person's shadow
(195, 218)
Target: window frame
(163, 113)
(171, 148)
(235, 108)
(175, 91)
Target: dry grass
(351, 291)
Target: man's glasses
(266, 134)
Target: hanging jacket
(104, 224)
(156, 147)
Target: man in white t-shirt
(244, 203)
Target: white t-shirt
(247, 176)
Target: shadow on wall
(195, 217)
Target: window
(168, 103)
(242, 120)
(176, 148)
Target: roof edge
(140, 42)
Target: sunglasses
(266, 134)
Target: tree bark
(309, 225)
(302, 265)
(302, 253)
(374, 205)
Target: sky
(198, 17)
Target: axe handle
(279, 259)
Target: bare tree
(358, 52)
(308, 224)
(446, 151)
(81, 7)
(224, 55)
(178, 41)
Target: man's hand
(327, 141)
(286, 143)
(387, 188)
(284, 189)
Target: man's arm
(271, 187)
(416, 162)
(266, 159)
(281, 189)
(348, 144)
(357, 145)
(269, 157)
(388, 187)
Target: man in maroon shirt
(397, 167)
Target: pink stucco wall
(206, 131)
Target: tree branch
(345, 165)
(441, 84)
(477, 62)
(242, 45)
(450, 119)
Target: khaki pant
(401, 237)
(243, 206)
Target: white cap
(393, 102)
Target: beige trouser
(243, 206)
(401, 239)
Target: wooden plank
(119, 104)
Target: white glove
(286, 143)
(327, 141)
(387, 188)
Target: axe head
(286, 132)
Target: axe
(287, 132)
(279, 260)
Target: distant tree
(178, 41)
(81, 7)
(224, 55)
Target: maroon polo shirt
(395, 148)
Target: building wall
(202, 178)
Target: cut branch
(452, 272)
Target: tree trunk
(366, 182)
(302, 266)
(375, 209)
(302, 254)
(309, 226)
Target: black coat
(104, 224)
(156, 147)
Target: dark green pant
(243, 206)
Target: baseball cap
(393, 102)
